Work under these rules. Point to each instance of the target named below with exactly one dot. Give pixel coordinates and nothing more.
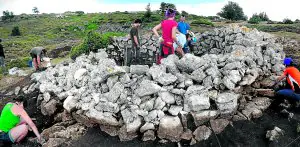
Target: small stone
(17, 90)
(218, 125)
(274, 134)
(174, 110)
(147, 126)
(149, 136)
(139, 69)
(202, 133)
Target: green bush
(92, 42)
(79, 13)
(19, 62)
(202, 21)
(15, 31)
(287, 21)
(254, 19)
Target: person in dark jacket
(2, 56)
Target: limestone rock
(149, 136)
(167, 97)
(139, 69)
(274, 134)
(204, 116)
(170, 128)
(202, 133)
(49, 108)
(196, 103)
(218, 125)
(147, 88)
(227, 102)
(125, 136)
(174, 110)
(147, 126)
(103, 118)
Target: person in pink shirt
(169, 29)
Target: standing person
(169, 28)
(15, 122)
(183, 27)
(2, 56)
(37, 54)
(134, 54)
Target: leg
(18, 133)
(138, 55)
(35, 63)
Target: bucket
(30, 63)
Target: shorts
(165, 51)
(6, 138)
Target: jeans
(2, 64)
(289, 93)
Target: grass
(291, 35)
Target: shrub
(232, 11)
(202, 21)
(19, 62)
(254, 19)
(297, 21)
(92, 42)
(15, 31)
(287, 21)
(79, 13)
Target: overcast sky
(276, 9)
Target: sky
(276, 9)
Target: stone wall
(222, 85)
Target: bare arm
(136, 40)
(174, 30)
(155, 29)
(281, 77)
(23, 114)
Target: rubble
(126, 101)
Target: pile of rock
(158, 101)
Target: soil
(241, 133)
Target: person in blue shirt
(182, 26)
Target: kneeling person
(15, 122)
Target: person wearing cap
(37, 54)
(134, 54)
(292, 76)
(15, 122)
(169, 29)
